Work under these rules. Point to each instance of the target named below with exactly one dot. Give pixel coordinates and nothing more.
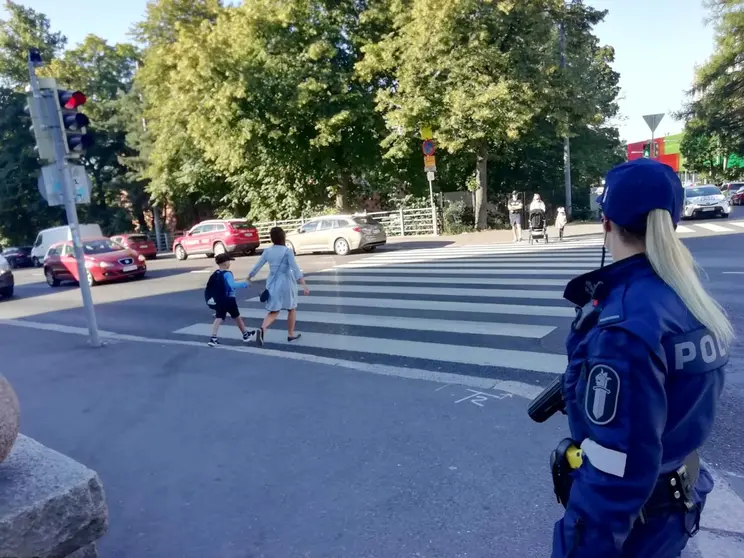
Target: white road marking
(422, 324)
(737, 223)
(520, 389)
(474, 266)
(480, 356)
(440, 306)
(435, 270)
(207, 270)
(352, 277)
(433, 291)
(712, 227)
(681, 229)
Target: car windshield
(241, 225)
(137, 238)
(702, 191)
(365, 221)
(92, 247)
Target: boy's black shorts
(230, 307)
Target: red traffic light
(71, 100)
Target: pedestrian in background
(646, 365)
(537, 204)
(281, 284)
(560, 221)
(514, 205)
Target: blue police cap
(632, 190)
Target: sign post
(653, 120)
(62, 183)
(430, 167)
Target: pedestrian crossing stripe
(464, 309)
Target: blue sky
(657, 44)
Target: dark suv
(217, 236)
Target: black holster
(673, 491)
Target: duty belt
(673, 491)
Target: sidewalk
(202, 450)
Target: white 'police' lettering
(699, 351)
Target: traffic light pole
(48, 105)
(566, 141)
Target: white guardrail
(401, 222)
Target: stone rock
(51, 505)
(9, 418)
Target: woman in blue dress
(284, 274)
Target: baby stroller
(538, 225)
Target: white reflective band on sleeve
(606, 460)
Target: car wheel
(181, 253)
(7, 292)
(140, 276)
(219, 248)
(152, 257)
(36, 262)
(51, 280)
(289, 245)
(369, 248)
(251, 252)
(341, 247)
(91, 281)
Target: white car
(705, 201)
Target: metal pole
(48, 104)
(433, 205)
(566, 141)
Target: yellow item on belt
(574, 457)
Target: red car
(737, 198)
(217, 236)
(139, 243)
(105, 261)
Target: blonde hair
(675, 265)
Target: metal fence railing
(401, 222)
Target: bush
(458, 218)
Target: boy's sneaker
(213, 342)
(247, 336)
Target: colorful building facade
(668, 149)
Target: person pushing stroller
(537, 220)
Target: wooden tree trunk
(481, 193)
(343, 194)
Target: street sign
(430, 176)
(430, 163)
(51, 184)
(426, 133)
(428, 147)
(653, 121)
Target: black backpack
(215, 293)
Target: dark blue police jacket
(641, 390)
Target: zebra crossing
(491, 310)
(690, 227)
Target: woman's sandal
(291, 338)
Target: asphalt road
(235, 453)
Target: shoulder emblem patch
(602, 392)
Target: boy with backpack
(220, 297)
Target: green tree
(486, 77)
(266, 107)
(25, 29)
(715, 114)
(22, 210)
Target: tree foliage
(277, 108)
(714, 116)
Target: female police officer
(646, 357)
